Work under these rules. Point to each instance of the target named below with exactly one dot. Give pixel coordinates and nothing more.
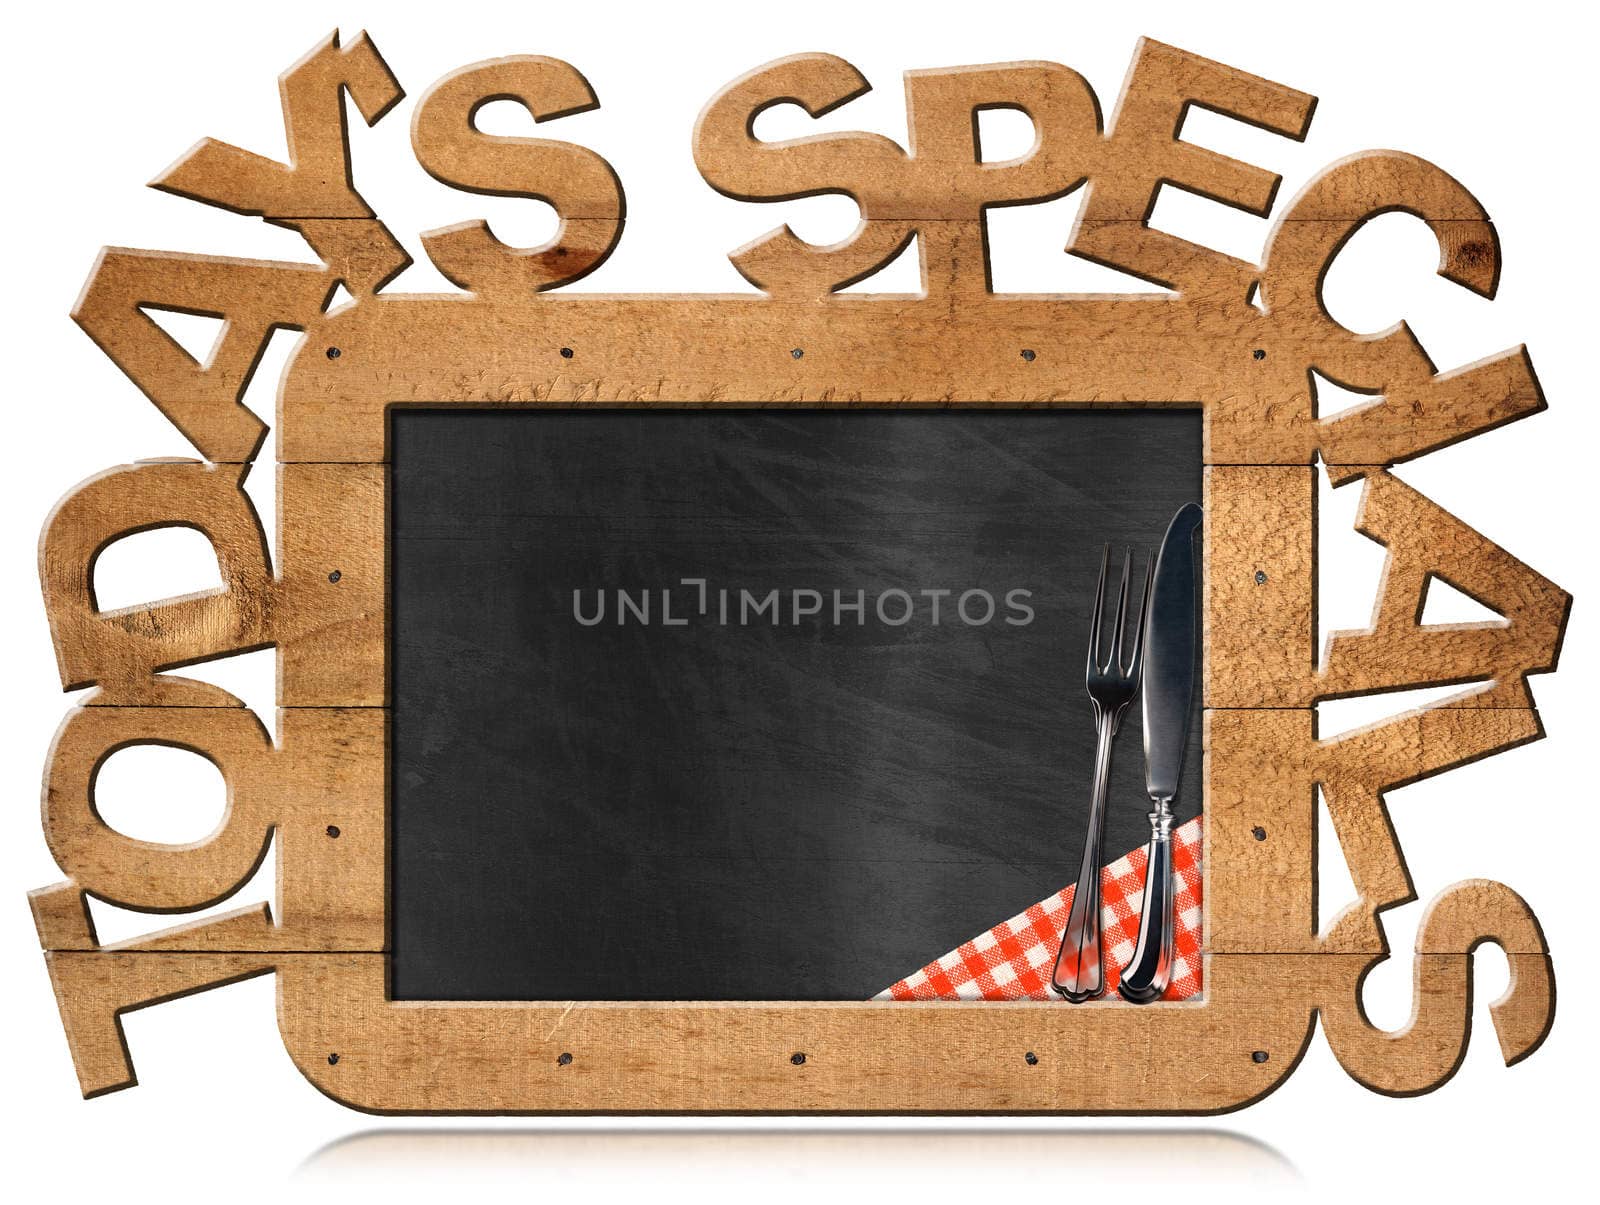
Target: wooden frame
(1242, 342)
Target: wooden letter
(951, 183)
(1399, 651)
(1419, 410)
(313, 193)
(939, 191)
(575, 181)
(1426, 1051)
(123, 650)
(868, 168)
(94, 990)
(1143, 152)
(140, 874)
(253, 297)
(1357, 769)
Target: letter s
(575, 181)
(1021, 608)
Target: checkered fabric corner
(1013, 960)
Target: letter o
(905, 618)
(961, 607)
(147, 875)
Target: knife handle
(1150, 970)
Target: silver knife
(1168, 696)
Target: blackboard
(715, 798)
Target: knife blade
(1168, 696)
(1169, 656)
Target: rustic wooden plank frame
(1242, 342)
(741, 1055)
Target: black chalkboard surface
(672, 714)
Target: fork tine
(1144, 615)
(1115, 661)
(1099, 608)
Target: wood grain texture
(93, 990)
(936, 190)
(321, 795)
(1142, 153)
(313, 193)
(734, 1057)
(1426, 1051)
(332, 587)
(900, 1057)
(253, 298)
(856, 349)
(122, 651)
(1244, 342)
(1262, 769)
(576, 182)
(1259, 586)
(1399, 650)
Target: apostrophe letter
(313, 193)
(575, 181)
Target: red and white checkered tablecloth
(1013, 960)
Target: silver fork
(1111, 684)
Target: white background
(98, 98)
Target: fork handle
(1150, 969)
(1078, 974)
